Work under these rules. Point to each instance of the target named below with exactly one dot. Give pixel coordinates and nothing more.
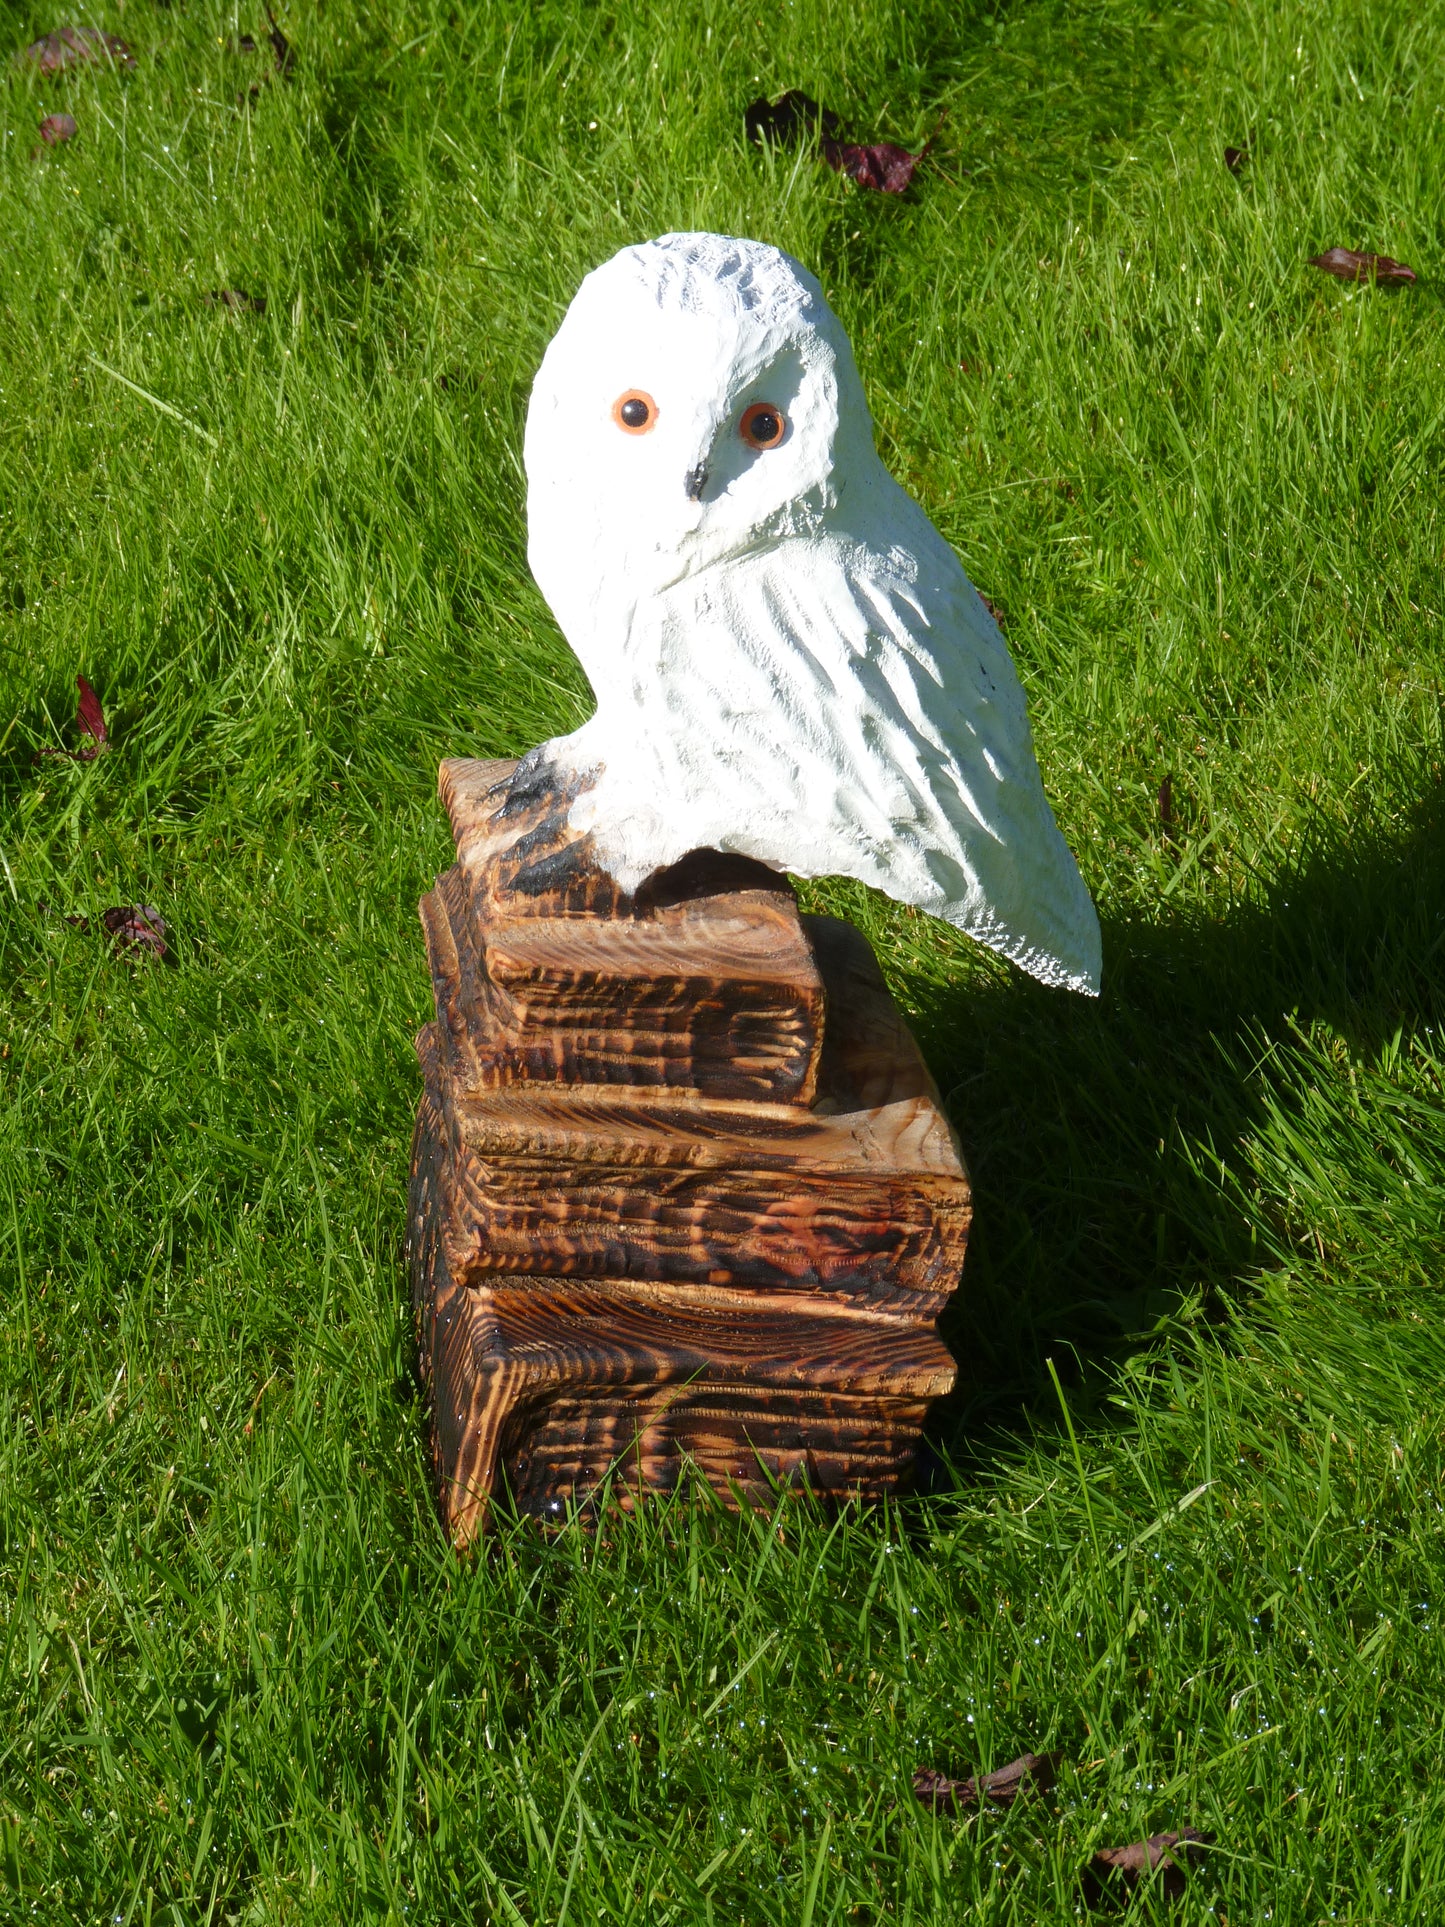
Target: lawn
(1185, 1517)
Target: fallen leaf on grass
(795, 117)
(281, 47)
(136, 926)
(1166, 805)
(996, 610)
(1346, 265)
(55, 53)
(1235, 158)
(90, 721)
(1112, 1870)
(56, 128)
(1128, 1867)
(1002, 1787)
(283, 57)
(90, 718)
(879, 165)
(236, 299)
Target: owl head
(700, 396)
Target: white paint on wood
(788, 658)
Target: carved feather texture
(789, 661)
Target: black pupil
(765, 427)
(634, 413)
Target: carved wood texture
(681, 1189)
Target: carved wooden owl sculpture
(788, 659)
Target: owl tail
(1039, 915)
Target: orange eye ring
(635, 413)
(763, 425)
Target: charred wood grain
(682, 1191)
(705, 979)
(745, 1443)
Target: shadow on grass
(1103, 1138)
(1027, 104)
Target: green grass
(241, 1679)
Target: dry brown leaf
(1127, 1867)
(90, 721)
(879, 164)
(1000, 1788)
(284, 52)
(67, 47)
(1346, 265)
(136, 927)
(795, 117)
(236, 299)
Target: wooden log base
(704, 980)
(682, 1192)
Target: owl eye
(762, 425)
(635, 412)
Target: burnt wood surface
(682, 1190)
(702, 981)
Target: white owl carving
(788, 659)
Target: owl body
(788, 659)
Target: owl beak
(696, 482)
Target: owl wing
(831, 706)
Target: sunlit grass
(241, 1677)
